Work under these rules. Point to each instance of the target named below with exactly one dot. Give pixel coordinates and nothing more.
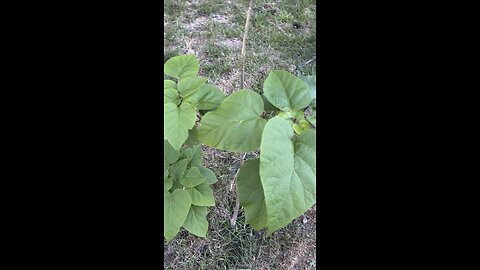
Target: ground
(282, 36)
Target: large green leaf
(250, 192)
(190, 85)
(192, 177)
(170, 154)
(177, 122)
(235, 125)
(175, 211)
(182, 66)
(287, 92)
(287, 172)
(202, 195)
(196, 222)
(208, 97)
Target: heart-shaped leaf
(170, 154)
(175, 211)
(192, 177)
(287, 171)
(210, 177)
(287, 92)
(177, 122)
(189, 85)
(182, 66)
(196, 222)
(208, 97)
(202, 195)
(235, 125)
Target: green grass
(282, 35)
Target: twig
(244, 44)
(308, 62)
(233, 221)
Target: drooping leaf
(209, 175)
(182, 66)
(170, 154)
(287, 92)
(190, 85)
(192, 177)
(287, 172)
(175, 211)
(177, 122)
(202, 195)
(196, 222)
(250, 192)
(235, 125)
(208, 97)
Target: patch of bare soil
(234, 43)
(220, 18)
(196, 24)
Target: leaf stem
(233, 220)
